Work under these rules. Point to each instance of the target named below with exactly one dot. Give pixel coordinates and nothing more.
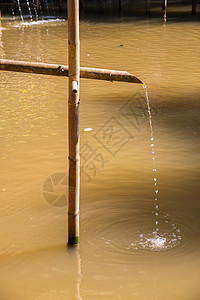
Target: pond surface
(119, 256)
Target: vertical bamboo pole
(73, 121)
(194, 7)
(147, 7)
(164, 5)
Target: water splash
(39, 22)
(157, 242)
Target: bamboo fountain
(74, 72)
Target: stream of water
(29, 10)
(20, 10)
(35, 11)
(159, 239)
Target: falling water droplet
(29, 10)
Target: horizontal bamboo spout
(61, 70)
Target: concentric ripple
(124, 228)
(130, 237)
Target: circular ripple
(129, 229)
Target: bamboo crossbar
(62, 70)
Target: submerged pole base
(73, 241)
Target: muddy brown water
(117, 191)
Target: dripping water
(157, 241)
(170, 237)
(12, 10)
(20, 10)
(29, 10)
(13, 14)
(155, 179)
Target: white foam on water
(39, 22)
(157, 242)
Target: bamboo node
(73, 213)
(73, 43)
(76, 105)
(73, 160)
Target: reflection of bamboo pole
(76, 276)
(73, 121)
(61, 70)
(194, 7)
(79, 277)
(164, 7)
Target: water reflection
(76, 261)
